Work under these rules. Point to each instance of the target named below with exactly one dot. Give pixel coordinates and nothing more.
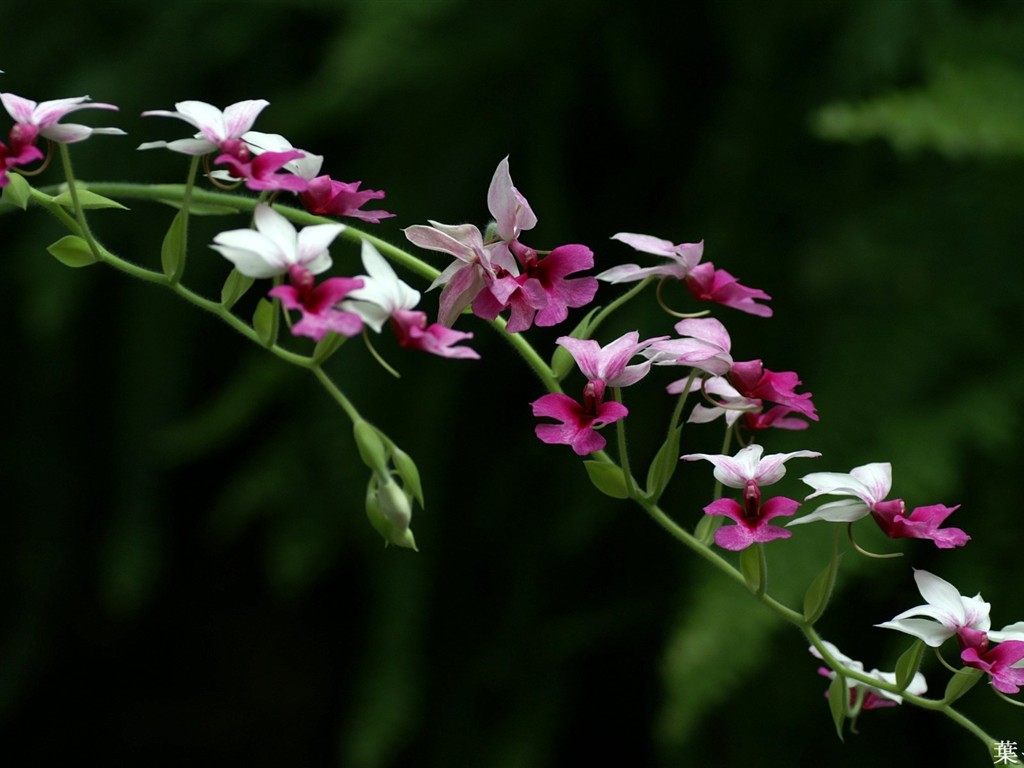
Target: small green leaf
(909, 661)
(17, 191)
(234, 288)
(409, 473)
(818, 594)
(664, 464)
(706, 527)
(838, 695)
(172, 251)
(562, 361)
(752, 566)
(961, 683)
(72, 251)
(87, 200)
(607, 478)
(203, 209)
(264, 322)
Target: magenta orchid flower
(217, 130)
(610, 363)
(873, 698)
(1001, 662)
(274, 247)
(41, 119)
(578, 422)
(752, 380)
(751, 518)
(261, 172)
(682, 258)
(868, 487)
(383, 296)
(706, 283)
(319, 304)
(947, 614)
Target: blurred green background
(188, 573)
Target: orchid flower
(705, 346)
(383, 296)
(274, 247)
(217, 129)
(578, 422)
(706, 283)
(682, 258)
(947, 613)
(748, 465)
(41, 119)
(751, 518)
(319, 304)
(1002, 662)
(512, 213)
(609, 363)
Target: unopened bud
(390, 512)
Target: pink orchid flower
(383, 296)
(950, 613)
(748, 465)
(609, 364)
(705, 346)
(752, 518)
(682, 258)
(1001, 662)
(41, 119)
(873, 698)
(218, 129)
(319, 304)
(706, 283)
(578, 422)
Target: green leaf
(234, 288)
(752, 566)
(838, 695)
(409, 473)
(72, 251)
(961, 683)
(664, 464)
(908, 663)
(87, 200)
(203, 209)
(562, 361)
(264, 322)
(706, 527)
(607, 478)
(818, 593)
(172, 251)
(17, 191)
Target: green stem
(633, 292)
(620, 431)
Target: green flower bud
(390, 512)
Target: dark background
(187, 572)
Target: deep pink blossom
(1000, 662)
(261, 171)
(752, 518)
(411, 328)
(325, 196)
(16, 155)
(578, 422)
(922, 523)
(319, 304)
(706, 283)
(751, 379)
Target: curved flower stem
(632, 293)
(620, 431)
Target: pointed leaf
(664, 464)
(371, 447)
(172, 251)
(820, 591)
(87, 200)
(72, 251)
(234, 288)
(607, 478)
(706, 527)
(203, 209)
(909, 661)
(327, 346)
(837, 698)
(961, 683)
(17, 191)
(264, 322)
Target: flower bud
(390, 512)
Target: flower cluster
(498, 272)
